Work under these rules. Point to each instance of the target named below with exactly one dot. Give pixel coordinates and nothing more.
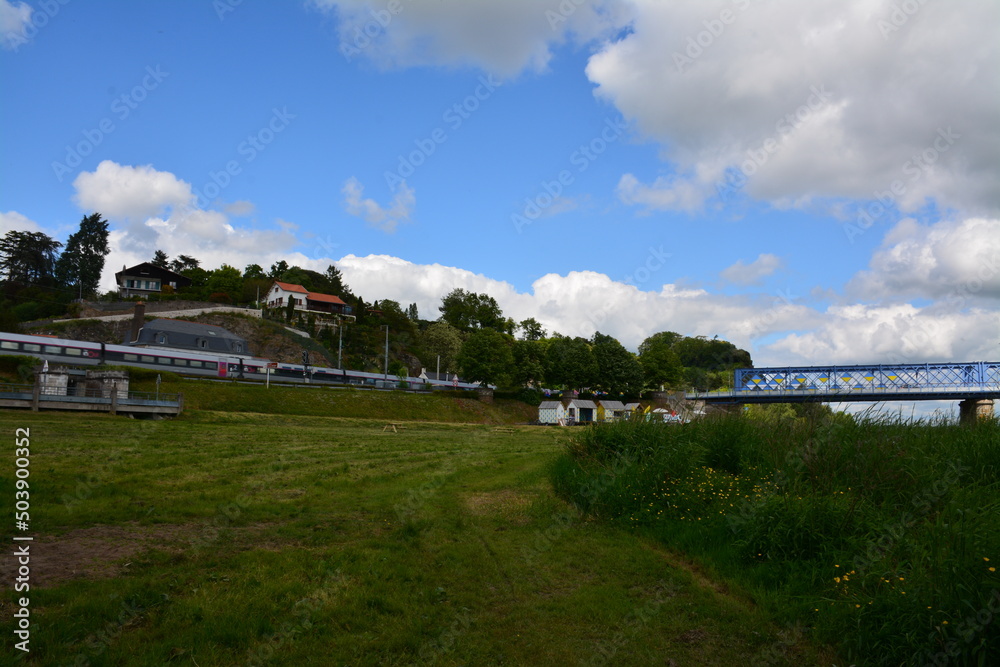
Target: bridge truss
(895, 382)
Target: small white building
(281, 293)
(552, 412)
(581, 410)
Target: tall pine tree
(81, 263)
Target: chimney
(138, 319)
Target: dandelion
(993, 569)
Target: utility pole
(340, 345)
(386, 351)
(437, 376)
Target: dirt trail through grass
(309, 541)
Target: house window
(162, 339)
(237, 347)
(202, 343)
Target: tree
(618, 370)
(225, 280)
(441, 339)
(529, 362)
(277, 269)
(486, 357)
(182, 263)
(412, 313)
(468, 311)
(254, 272)
(335, 280)
(570, 362)
(660, 363)
(160, 259)
(531, 329)
(28, 257)
(82, 262)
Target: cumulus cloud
(151, 210)
(955, 260)
(14, 221)
(374, 214)
(792, 102)
(15, 17)
(891, 334)
(754, 272)
(130, 193)
(501, 37)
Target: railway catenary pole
(386, 351)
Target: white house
(303, 300)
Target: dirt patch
(699, 577)
(506, 503)
(98, 552)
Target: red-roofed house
(281, 293)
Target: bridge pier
(971, 410)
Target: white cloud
(241, 208)
(385, 219)
(811, 100)
(14, 19)
(501, 37)
(130, 193)
(891, 334)
(152, 210)
(955, 260)
(754, 272)
(14, 221)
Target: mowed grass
(236, 538)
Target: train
(190, 363)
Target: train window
(131, 357)
(53, 349)
(146, 359)
(195, 364)
(180, 362)
(73, 351)
(31, 347)
(8, 345)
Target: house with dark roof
(193, 336)
(303, 300)
(146, 278)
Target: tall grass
(882, 536)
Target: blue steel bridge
(973, 382)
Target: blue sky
(628, 166)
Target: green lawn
(237, 538)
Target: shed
(551, 412)
(581, 410)
(609, 411)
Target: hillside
(266, 339)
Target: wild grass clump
(882, 535)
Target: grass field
(236, 538)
